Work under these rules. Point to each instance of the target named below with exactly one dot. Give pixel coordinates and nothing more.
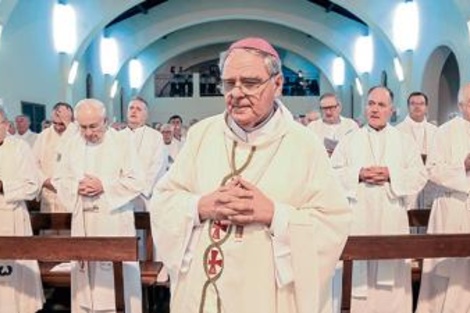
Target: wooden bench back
(397, 247)
(64, 249)
(63, 221)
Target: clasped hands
(374, 175)
(238, 202)
(90, 186)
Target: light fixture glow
(406, 26)
(1, 30)
(64, 28)
(468, 27)
(364, 54)
(338, 71)
(135, 74)
(112, 92)
(73, 72)
(359, 89)
(398, 69)
(108, 55)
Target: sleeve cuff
(281, 245)
(193, 212)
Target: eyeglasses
(331, 107)
(248, 86)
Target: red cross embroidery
(217, 227)
(214, 262)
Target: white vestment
(28, 136)
(45, 150)
(445, 283)
(423, 135)
(173, 149)
(20, 281)
(115, 163)
(380, 286)
(281, 269)
(331, 134)
(152, 157)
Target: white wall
(31, 70)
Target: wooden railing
(398, 247)
(149, 269)
(64, 249)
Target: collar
(243, 134)
(272, 127)
(375, 131)
(413, 123)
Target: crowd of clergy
(252, 195)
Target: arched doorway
(441, 82)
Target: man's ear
(278, 82)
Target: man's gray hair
(93, 103)
(273, 64)
(167, 127)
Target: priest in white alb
(22, 129)
(46, 149)
(332, 126)
(20, 281)
(416, 125)
(97, 178)
(445, 283)
(244, 220)
(149, 146)
(379, 167)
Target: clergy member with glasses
(332, 126)
(244, 220)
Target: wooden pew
(398, 247)
(45, 249)
(62, 221)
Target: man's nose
(237, 92)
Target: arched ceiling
(297, 49)
(141, 33)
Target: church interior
(167, 52)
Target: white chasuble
(284, 268)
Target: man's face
(417, 108)
(92, 125)
(11, 128)
(248, 69)
(167, 135)
(311, 116)
(330, 110)
(136, 113)
(57, 123)
(22, 124)
(464, 106)
(379, 108)
(176, 122)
